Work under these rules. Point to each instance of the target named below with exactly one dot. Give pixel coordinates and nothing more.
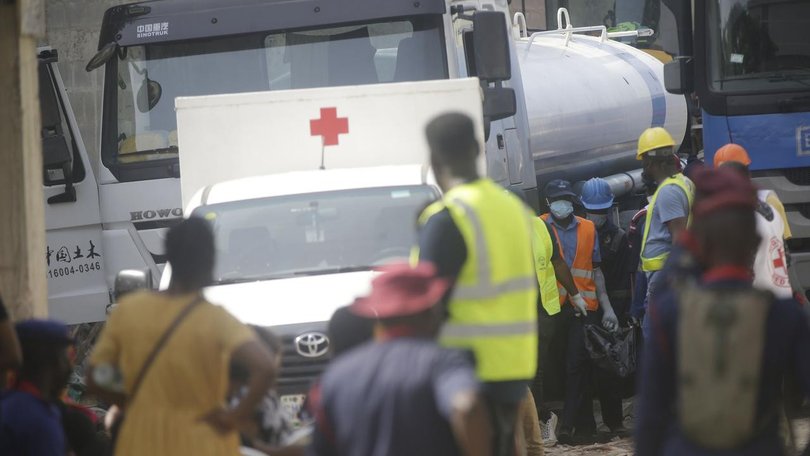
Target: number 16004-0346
(82, 268)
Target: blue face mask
(561, 209)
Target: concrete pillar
(22, 222)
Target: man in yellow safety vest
(669, 209)
(479, 236)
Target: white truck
(557, 103)
(300, 229)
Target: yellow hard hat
(652, 139)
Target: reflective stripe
(584, 273)
(458, 330)
(488, 291)
(484, 288)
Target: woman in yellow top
(179, 408)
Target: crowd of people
(455, 352)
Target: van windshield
(140, 124)
(314, 233)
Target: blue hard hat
(559, 188)
(596, 194)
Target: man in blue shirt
(720, 248)
(402, 394)
(579, 244)
(30, 420)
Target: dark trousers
(546, 333)
(608, 390)
(578, 369)
(504, 424)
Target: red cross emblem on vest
(329, 127)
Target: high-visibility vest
(582, 266)
(543, 248)
(493, 305)
(656, 263)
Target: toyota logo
(312, 345)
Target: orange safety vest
(582, 267)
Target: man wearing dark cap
(30, 420)
(479, 237)
(404, 394)
(578, 240)
(718, 349)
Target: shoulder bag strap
(160, 344)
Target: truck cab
(75, 259)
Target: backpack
(721, 336)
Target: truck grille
(298, 372)
(803, 208)
(798, 176)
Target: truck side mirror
(678, 75)
(129, 280)
(499, 103)
(491, 46)
(57, 159)
(102, 56)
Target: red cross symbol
(779, 263)
(329, 126)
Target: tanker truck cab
(153, 52)
(74, 257)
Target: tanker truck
(555, 103)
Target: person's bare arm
(471, 424)
(110, 397)
(259, 362)
(10, 355)
(676, 226)
(563, 273)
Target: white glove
(580, 307)
(609, 320)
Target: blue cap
(558, 188)
(596, 194)
(44, 330)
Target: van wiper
(801, 78)
(338, 270)
(160, 150)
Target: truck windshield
(315, 233)
(150, 77)
(759, 45)
(625, 15)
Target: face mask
(648, 180)
(598, 219)
(561, 209)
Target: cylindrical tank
(588, 100)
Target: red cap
(402, 290)
(721, 188)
